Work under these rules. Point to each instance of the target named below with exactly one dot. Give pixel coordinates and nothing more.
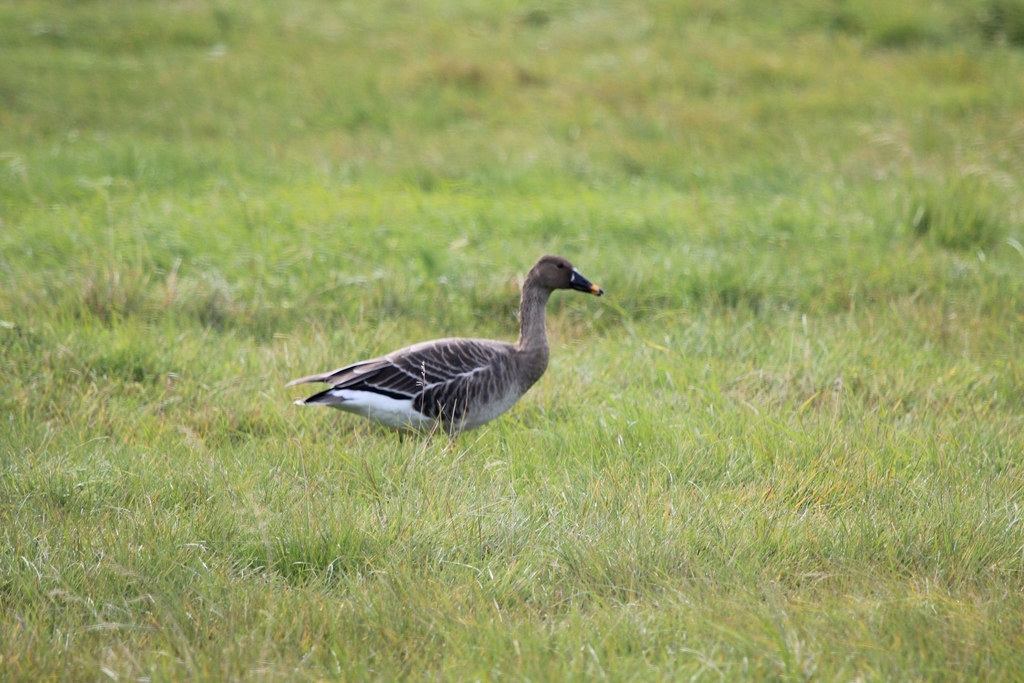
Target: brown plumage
(459, 383)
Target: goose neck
(532, 307)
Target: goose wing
(335, 376)
(425, 373)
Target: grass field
(788, 443)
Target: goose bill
(582, 284)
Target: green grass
(788, 444)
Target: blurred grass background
(786, 445)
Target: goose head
(555, 272)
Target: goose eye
(561, 266)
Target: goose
(456, 383)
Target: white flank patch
(391, 412)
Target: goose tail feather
(324, 398)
